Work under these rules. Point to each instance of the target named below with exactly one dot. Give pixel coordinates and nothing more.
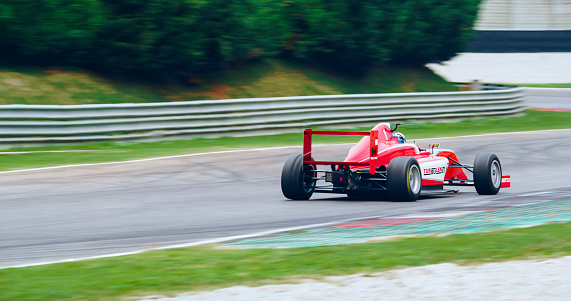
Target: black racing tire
(404, 179)
(487, 174)
(296, 179)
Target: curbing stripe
(197, 243)
(458, 213)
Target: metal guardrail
(75, 123)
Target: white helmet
(400, 137)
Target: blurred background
(102, 51)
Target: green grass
(204, 267)
(560, 85)
(111, 151)
(265, 78)
(25, 86)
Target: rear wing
(374, 148)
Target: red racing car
(384, 165)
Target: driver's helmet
(400, 137)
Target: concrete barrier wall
(523, 26)
(524, 15)
(520, 41)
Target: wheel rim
(414, 180)
(496, 173)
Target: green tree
(349, 34)
(184, 37)
(49, 31)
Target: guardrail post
(475, 85)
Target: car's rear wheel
(297, 178)
(487, 174)
(404, 180)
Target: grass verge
(116, 151)
(201, 268)
(561, 85)
(264, 78)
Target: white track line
(148, 159)
(253, 149)
(203, 242)
(536, 193)
(55, 151)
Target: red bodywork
(378, 147)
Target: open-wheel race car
(383, 165)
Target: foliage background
(188, 37)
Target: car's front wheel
(487, 174)
(297, 178)
(404, 180)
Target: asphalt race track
(558, 99)
(74, 212)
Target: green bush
(49, 32)
(352, 33)
(186, 37)
(176, 35)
